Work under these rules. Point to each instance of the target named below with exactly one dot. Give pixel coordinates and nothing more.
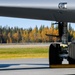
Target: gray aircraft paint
(38, 9)
(45, 4)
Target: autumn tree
(20, 35)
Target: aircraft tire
(54, 58)
(71, 61)
(71, 50)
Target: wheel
(71, 52)
(71, 60)
(54, 58)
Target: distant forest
(20, 35)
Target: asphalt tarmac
(37, 66)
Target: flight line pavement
(35, 66)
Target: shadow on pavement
(5, 67)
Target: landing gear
(58, 53)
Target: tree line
(20, 35)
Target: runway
(37, 66)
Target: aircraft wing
(39, 9)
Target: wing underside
(32, 9)
(32, 13)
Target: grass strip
(12, 53)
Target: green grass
(23, 52)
